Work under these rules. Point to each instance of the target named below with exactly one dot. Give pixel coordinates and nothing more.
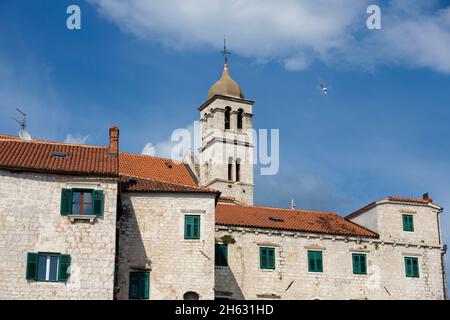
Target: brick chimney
(114, 140)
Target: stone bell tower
(226, 152)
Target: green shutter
(192, 227)
(66, 202)
(97, 203)
(408, 222)
(359, 263)
(32, 266)
(315, 261)
(412, 267)
(267, 258)
(147, 285)
(63, 267)
(221, 257)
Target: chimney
(293, 206)
(426, 197)
(114, 140)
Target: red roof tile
(292, 220)
(130, 184)
(410, 200)
(153, 168)
(37, 156)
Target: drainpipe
(443, 252)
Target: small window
(230, 169)
(191, 295)
(82, 202)
(221, 258)
(227, 117)
(359, 263)
(315, 261)
(408, 223)
(139, 285)
(192, 227)
(267, 258)
(412, 267)
(48, 267)
(238, 170)
(239, 118)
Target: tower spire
(225, 51)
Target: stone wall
(386, 279)
(30, 221)
(151, 237)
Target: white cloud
(294, 32)
(76, 139)
(182, 140)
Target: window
(192, 227)
(359, 263)
(412, 267)
(139, 285)
(221, 258)
(82, 202)
(408, 222)
(230, 169)
(227, 117)
(49, 267)
(267, 258)
(239, 118)
(315, 261)
(191, 295)
(238, 170)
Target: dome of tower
(226, 86)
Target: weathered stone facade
(151, 238)
(385, 279)
(30, 221)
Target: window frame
(192, 235)
(48, 257)
(314, 255)
(412, 272)
(83, 192)
(408, 222)
(357, 266)
(269, 265)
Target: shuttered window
(412, 267)
(408, 222)
(48, 267)
(82, 202)
(359, 263)
(192, 227)
(267, 258)
(139, 288)
(315, 263)
(221, 257)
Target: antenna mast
(22, 123)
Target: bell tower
(226, 152)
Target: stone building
(87, 222)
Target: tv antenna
(23, 134)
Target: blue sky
(382, 130)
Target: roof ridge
(285, 209)
(171, 183)
(153, 157)
(53, 143)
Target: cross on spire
(225, 51)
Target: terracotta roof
(153, 168)
(131, 184)
(8, 137)
(288, 219)
(410, 200)
(38, 156)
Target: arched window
(227, 117)
(191, 295)
(238, 170)
(230, 169)
(239, 118)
